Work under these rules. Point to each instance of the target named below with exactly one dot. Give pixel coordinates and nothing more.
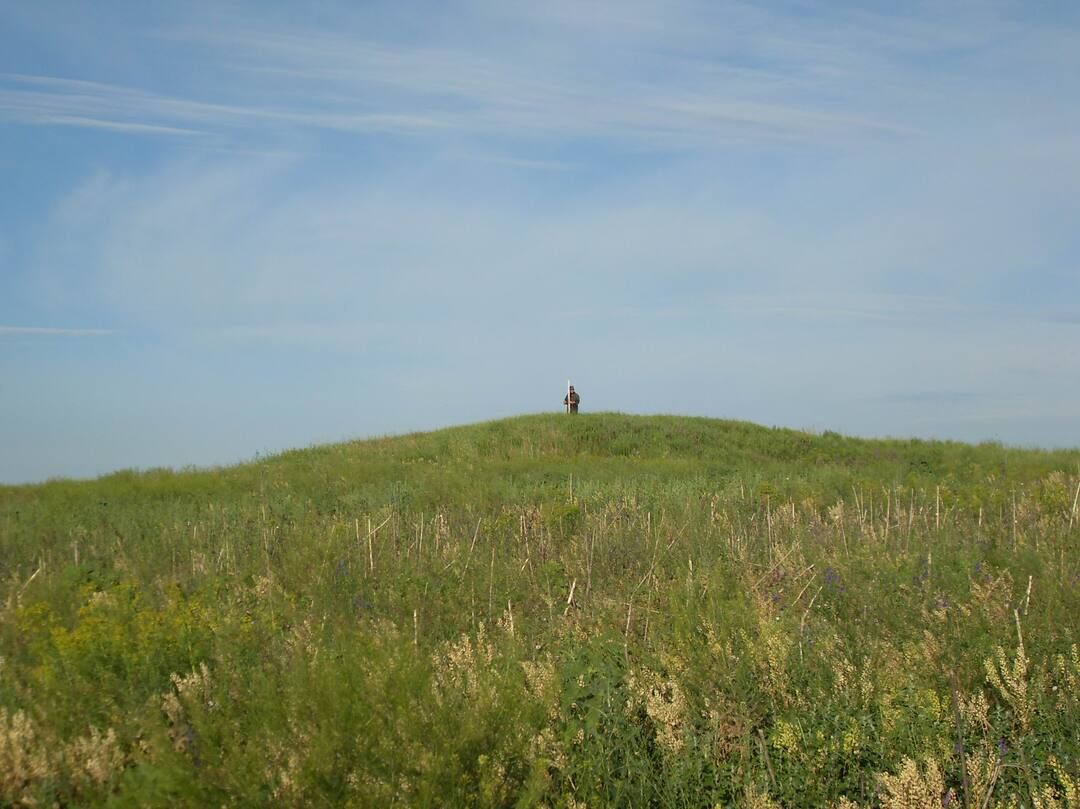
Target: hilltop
(516, 459)
(607, 609)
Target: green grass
(550, 611)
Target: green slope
(472, 463)
(612, 609)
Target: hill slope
(609, 609)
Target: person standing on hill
(571, 400)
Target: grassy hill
(550, 611)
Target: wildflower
(94, 759)
(1010, 680)
(912, 787)
(665, 703)
(24, 757)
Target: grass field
(551, 611)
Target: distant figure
(571, 400)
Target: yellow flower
(785, 737)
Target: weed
(607, 610)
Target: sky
(232, 228)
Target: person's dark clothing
(572, 400)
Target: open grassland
(551, 611)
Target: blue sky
(233, 228)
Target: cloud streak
(557, 73)
(76, 103)
(640, 116)
(51, 331)
(533, 96)
(641, 75)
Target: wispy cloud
(947, 398)
(252, 240)
(52, 101)
(638, 74)
(71, 102)
(531, 95)
(48, 330)
(488, 103)
(656, 76)
(516, 162)
(664, 74)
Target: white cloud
(70, 102)
(531, 95)
(48, 330)
(258, 246)
(655, 76)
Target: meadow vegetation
(550, 611)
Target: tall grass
(545, 611)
